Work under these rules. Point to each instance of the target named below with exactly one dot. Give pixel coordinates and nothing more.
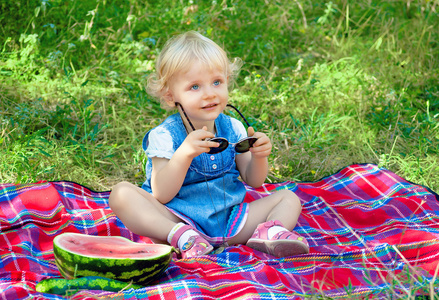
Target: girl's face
(202, 92)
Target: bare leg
(140, 212)
(283, 206)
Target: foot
(195, 245)
(282, 244)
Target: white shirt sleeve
(160, 143)
(239, 128)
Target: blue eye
(195, 87)
(216, 82)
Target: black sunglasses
(241, 146)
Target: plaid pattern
(371, 233)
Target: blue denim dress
(211, 198)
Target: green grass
(331, 82)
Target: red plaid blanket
(372, 234)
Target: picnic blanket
(372, 234)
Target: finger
(260, 146)
(206, 133)
(260, 152)
(261, 139)
(250, 131)
(210, 143)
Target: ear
(169, 99)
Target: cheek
(226, 94)
(224, 91)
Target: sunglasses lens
(245, 144)
(223, 145)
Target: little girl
(193, 197)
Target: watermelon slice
(114, 257)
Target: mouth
(209, 106)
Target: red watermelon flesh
(109, 247)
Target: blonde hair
(179, 53)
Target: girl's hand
(196, 143)
(262, 147)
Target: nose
(208, 93)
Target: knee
(118, 193)
(292, 199)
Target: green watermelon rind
(139, 270)
(69, 271)
(61, 286)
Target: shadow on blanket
(371, 233)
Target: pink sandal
(282, 244)
(195, 246)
